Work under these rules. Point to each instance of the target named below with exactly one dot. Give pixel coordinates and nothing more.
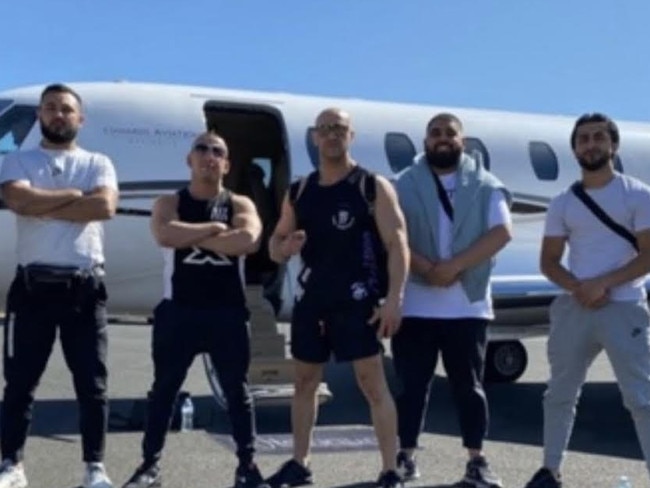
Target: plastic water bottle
(187, 415)
(624, 482)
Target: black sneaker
(291, 473)
(390, 479)
(544, 478)
(249, 476)
(146, 476)
(479, 475)
(407, 467)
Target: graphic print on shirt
(201, 257)
(343, 259)
(200, 277)
(220, 213)
(301, 282)
(343, 218)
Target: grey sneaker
(479, 475)
(407, 467)
(544, 478)
(12, 475)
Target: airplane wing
(521, 306)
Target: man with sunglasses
(205, 231)
(354, 258)
(458, 218)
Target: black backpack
(367, 182)
(367, 186)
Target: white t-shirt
(452, 302)
(59, 242)
(595, 249)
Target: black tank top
(199, 277)
(344, 260)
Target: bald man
(346, 225)
(205, 231)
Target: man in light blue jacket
(458, 218)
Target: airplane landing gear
(505, 361)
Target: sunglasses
(338, 130)
(217, 151)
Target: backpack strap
(296, 188)
(368, 188)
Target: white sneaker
(12, 475)
(95, 476)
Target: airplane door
(257, 142)
(260, 169)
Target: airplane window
(400, 151)
(618, 164)
(475, 148)
(544, 160)
(4, 104)
(312, 150)
(15, 124)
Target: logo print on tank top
(342, 219)
(200, 257)
(219, 213)
(359, 290)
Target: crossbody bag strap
(580, 192)
(442, 195)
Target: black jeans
(462, 343)
(179, 334)
(33, 315)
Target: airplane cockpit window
(15, 124)
(544, 160)
(474, 147)
(618, 164)
(312, 150)
(4, 103)
(400, 150)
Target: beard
(64, 135)
(594, 165)
(443, 159)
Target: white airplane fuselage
(147, 130)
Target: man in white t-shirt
(605, 302)
(458, 218)
(60, 193)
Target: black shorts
(344, 331)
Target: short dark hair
(595, 117)
(444, 116)
(60, 88)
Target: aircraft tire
(505, 361)
(213, 381)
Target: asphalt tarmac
(603, 446)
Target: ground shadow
(603, 425)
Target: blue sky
(550, 56)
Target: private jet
(147, 130)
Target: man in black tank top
(354, 260)
(205, 232)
